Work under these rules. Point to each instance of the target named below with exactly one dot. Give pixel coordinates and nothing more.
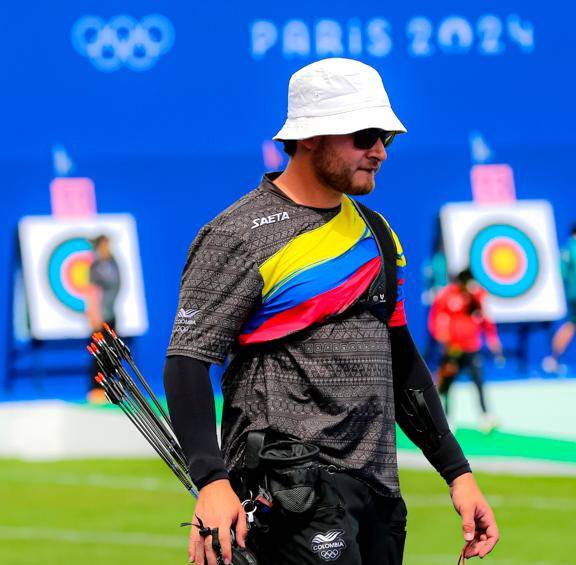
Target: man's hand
(218, 507)
(478, 522)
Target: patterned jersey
(270, 281)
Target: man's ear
(311, 143)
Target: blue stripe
(314, 281)
(280, 284)
(401, 274)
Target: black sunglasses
(366, 138)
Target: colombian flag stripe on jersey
(319, 274)
(314, 282)
(314, 247)
(316, 309)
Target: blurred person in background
(285, 279)
(104, 285)
(565, 333)
(458, 321)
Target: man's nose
(378, 151)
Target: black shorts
(351, 525)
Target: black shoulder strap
(383, 293)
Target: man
(458, 321)
(101, 297)
(280, 279)
(565, 333)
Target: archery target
(69, 272)
(56, 259)
(512, 252)
(504, 260)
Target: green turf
(500, 444)
(127, 512)
(476, 443)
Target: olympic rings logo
(123, 41)
(330, 554)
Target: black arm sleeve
(191, 405)
(410, 372)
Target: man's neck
(302, 186)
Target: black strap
(383, 292)
(254, 443)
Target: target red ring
(505, 260)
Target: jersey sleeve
(220, 286)
(398, 318)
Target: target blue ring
(493, 286)
(55, 264)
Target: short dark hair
(465, 276)
(573, 231)
(99, 239)
(290, 146)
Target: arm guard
(191, 405)
(418, 408)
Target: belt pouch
(292, 473)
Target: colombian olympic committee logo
(123, 41)
(328, 545)
(504, 260)
(69, 272)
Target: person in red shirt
(458, 321)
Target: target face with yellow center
(56, 259)
(512, 252)
(504, 260)
(69, 272)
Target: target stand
(512, 251)
(50, 272)
(505, 261)
(40, 359)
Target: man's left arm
(420, 414)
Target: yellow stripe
(311, 248)
(400, 259)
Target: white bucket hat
(337, 96)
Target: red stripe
(315, 309)
(398, 318)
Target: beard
(332, 172)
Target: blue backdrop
(166, 107)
